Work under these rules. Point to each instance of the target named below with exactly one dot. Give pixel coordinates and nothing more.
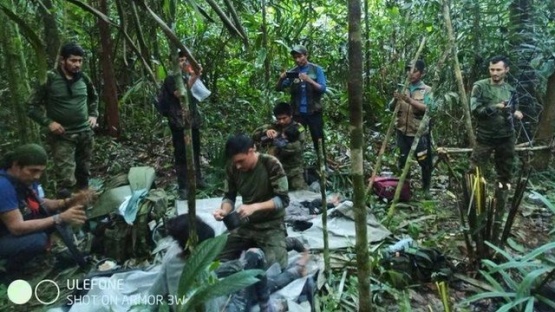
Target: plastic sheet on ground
(341, 231)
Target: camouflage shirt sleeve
(260, 132)
(36, 105)
(278, 180)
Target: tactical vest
(313, 96)
(408, 117)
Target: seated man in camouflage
(285, 139)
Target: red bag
(385, 187)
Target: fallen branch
(456, 150)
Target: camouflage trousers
(271, 241)
(71, 155)
(296, 181)
(504, 154)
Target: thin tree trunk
(546, 129)
(140, 36)
(355, 88)
(109, 89)
(457, 67)
(16, 71)
(51, 34)
(265, 45)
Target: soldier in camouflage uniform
(288, 150)
(262, 183)
(493, 109)
(412, 106)
(67, 106)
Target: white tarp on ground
(341, 232)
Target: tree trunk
(355, 85)
(109, 89)
(51, 33)
(265, 45)
(16, 71)
(457, 67)
(546, 129)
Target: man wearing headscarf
(26, 217)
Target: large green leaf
(199, 260)
(223, 287)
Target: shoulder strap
(312, 69)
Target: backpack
(418, 264)
(160, 101)
(122, 241)
(385, 187)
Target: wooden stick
(457, 150)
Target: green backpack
(123, 241)
(418, 265)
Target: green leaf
(547, 301)
(198, 261)
(526, 284)
(501, 251)
(512, 304)
(529, 305)
(509, 306)
(492, 281)
(514, 245)
(226, 286)
(487, 295)
(545, 201)
(538, 251)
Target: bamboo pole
(391, 126)
(327, 266)
(458, 74)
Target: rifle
(510, 104)
(67, 237)
(63, 229)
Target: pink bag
(385, 187)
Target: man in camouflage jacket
(494, 107)
(289, 150)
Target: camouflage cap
(299, 49)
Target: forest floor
(433, 222)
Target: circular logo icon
(50, 282)
(20, 291)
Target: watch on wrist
(57, 219)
